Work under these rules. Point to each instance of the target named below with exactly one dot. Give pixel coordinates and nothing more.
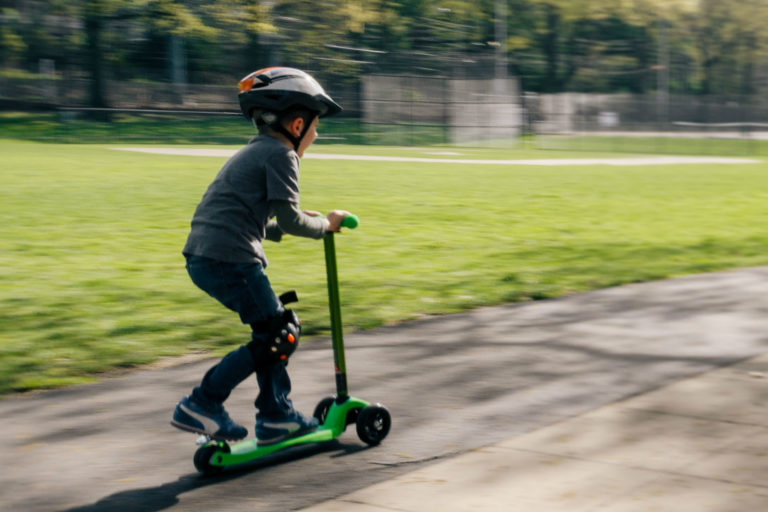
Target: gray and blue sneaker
(271, 431)
(213, 422)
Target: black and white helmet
(276, 89)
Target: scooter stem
(334, 305)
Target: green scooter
(334, 413)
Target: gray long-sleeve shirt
(259, 182)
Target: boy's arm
(274, 233)
(291, 220)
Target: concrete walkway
(642, 397)
(700, 444)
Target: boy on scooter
(255, 197)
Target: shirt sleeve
(293, 221)
(283, 176)
(273, 232)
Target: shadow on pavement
(155, 499)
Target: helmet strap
(296, 141)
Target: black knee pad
(283, 333)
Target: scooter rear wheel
(373, 424)
(203, 456)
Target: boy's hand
(334, 219)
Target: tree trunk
(177, 67)
(95, 58)
(551, 83)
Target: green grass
(92, 279)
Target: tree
(104, 24)
(730, 39)
(706, 46)
(544, 42)
(12, 45)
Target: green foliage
(710, 46)
(11, 43)
(91, 277)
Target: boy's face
(309, 137)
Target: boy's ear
(296, 126)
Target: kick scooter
(334, 413)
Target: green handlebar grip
(350, 221)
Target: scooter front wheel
(373, 424)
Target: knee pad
(284, 334)
(283, 331)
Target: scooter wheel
(321, 411)
(373, 424)
(203, 457)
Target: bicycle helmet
(266, 93)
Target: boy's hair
(265, 120)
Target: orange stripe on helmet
(246, 84)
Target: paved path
(622, 161)
(580, 403)
(697, 445)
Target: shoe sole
(194, 430)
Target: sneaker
(215, 422)
(271, 431)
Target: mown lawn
(92, 279)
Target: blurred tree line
(638, 46)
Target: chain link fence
(647, 123)
(419, 110)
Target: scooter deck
(247, 451)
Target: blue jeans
(245, 289)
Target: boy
(225, 257)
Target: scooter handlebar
(350, 221)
